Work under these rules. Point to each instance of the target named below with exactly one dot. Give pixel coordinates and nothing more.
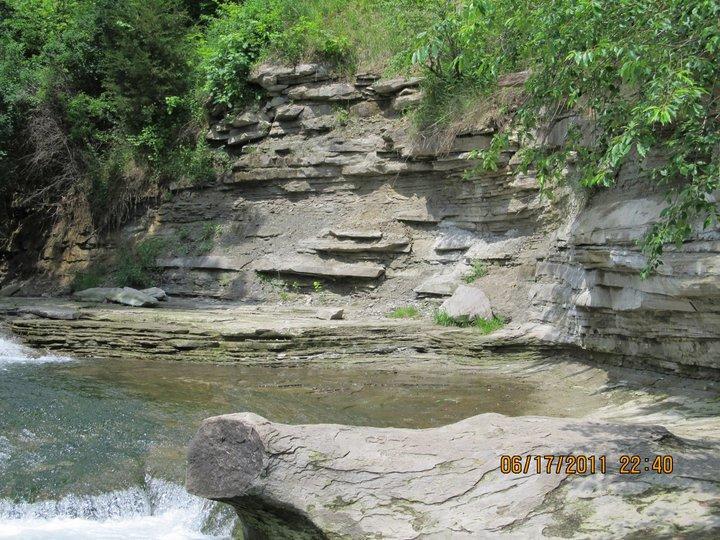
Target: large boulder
(132, 297)
(120, 295)
(333, 481)
(330, 314)
(156, 292)
(469, 302)
(95, 294)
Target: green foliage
(102, 103)
(485, 326)
(135, 265)
(87, 279)
(236, 37)
(405, 312)
(644, 72)
(309, 38)
(317, 286)
(488, 326)
(342, 116)
(97, 102)
(363, 34)
(479, 269)
(193, 240)
(443, 319)
(208, 234)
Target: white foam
(12, 352)
(159, 510)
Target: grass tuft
(405, 312)
(484, 326)
(479, 269)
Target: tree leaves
(645, 71)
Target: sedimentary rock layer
(330, 189)
(250, 334)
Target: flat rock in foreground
(333, 481)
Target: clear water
(96, 448)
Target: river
(95, 448)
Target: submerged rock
(333, 481)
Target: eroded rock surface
(119, 295)
(332, 481)
(324, 153)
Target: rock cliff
(330, 189)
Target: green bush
(86, 89)
(309, 39)
(363, 34)
(87, 280)
(136, 264)
(236, 37)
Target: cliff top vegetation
(104, 100)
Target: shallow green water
(96, 425)
(96, 448)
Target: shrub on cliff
(97, 102)
(645, 72)
(363, 34)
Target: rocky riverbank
(331, 192)
(246, 334)
(352, 482)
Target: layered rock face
(329, 189)
(331, 481)
(590, 290)
(328, 184)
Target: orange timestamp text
(571, 464)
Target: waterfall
(12, 352)
(158, 509)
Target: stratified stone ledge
(307, 266)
